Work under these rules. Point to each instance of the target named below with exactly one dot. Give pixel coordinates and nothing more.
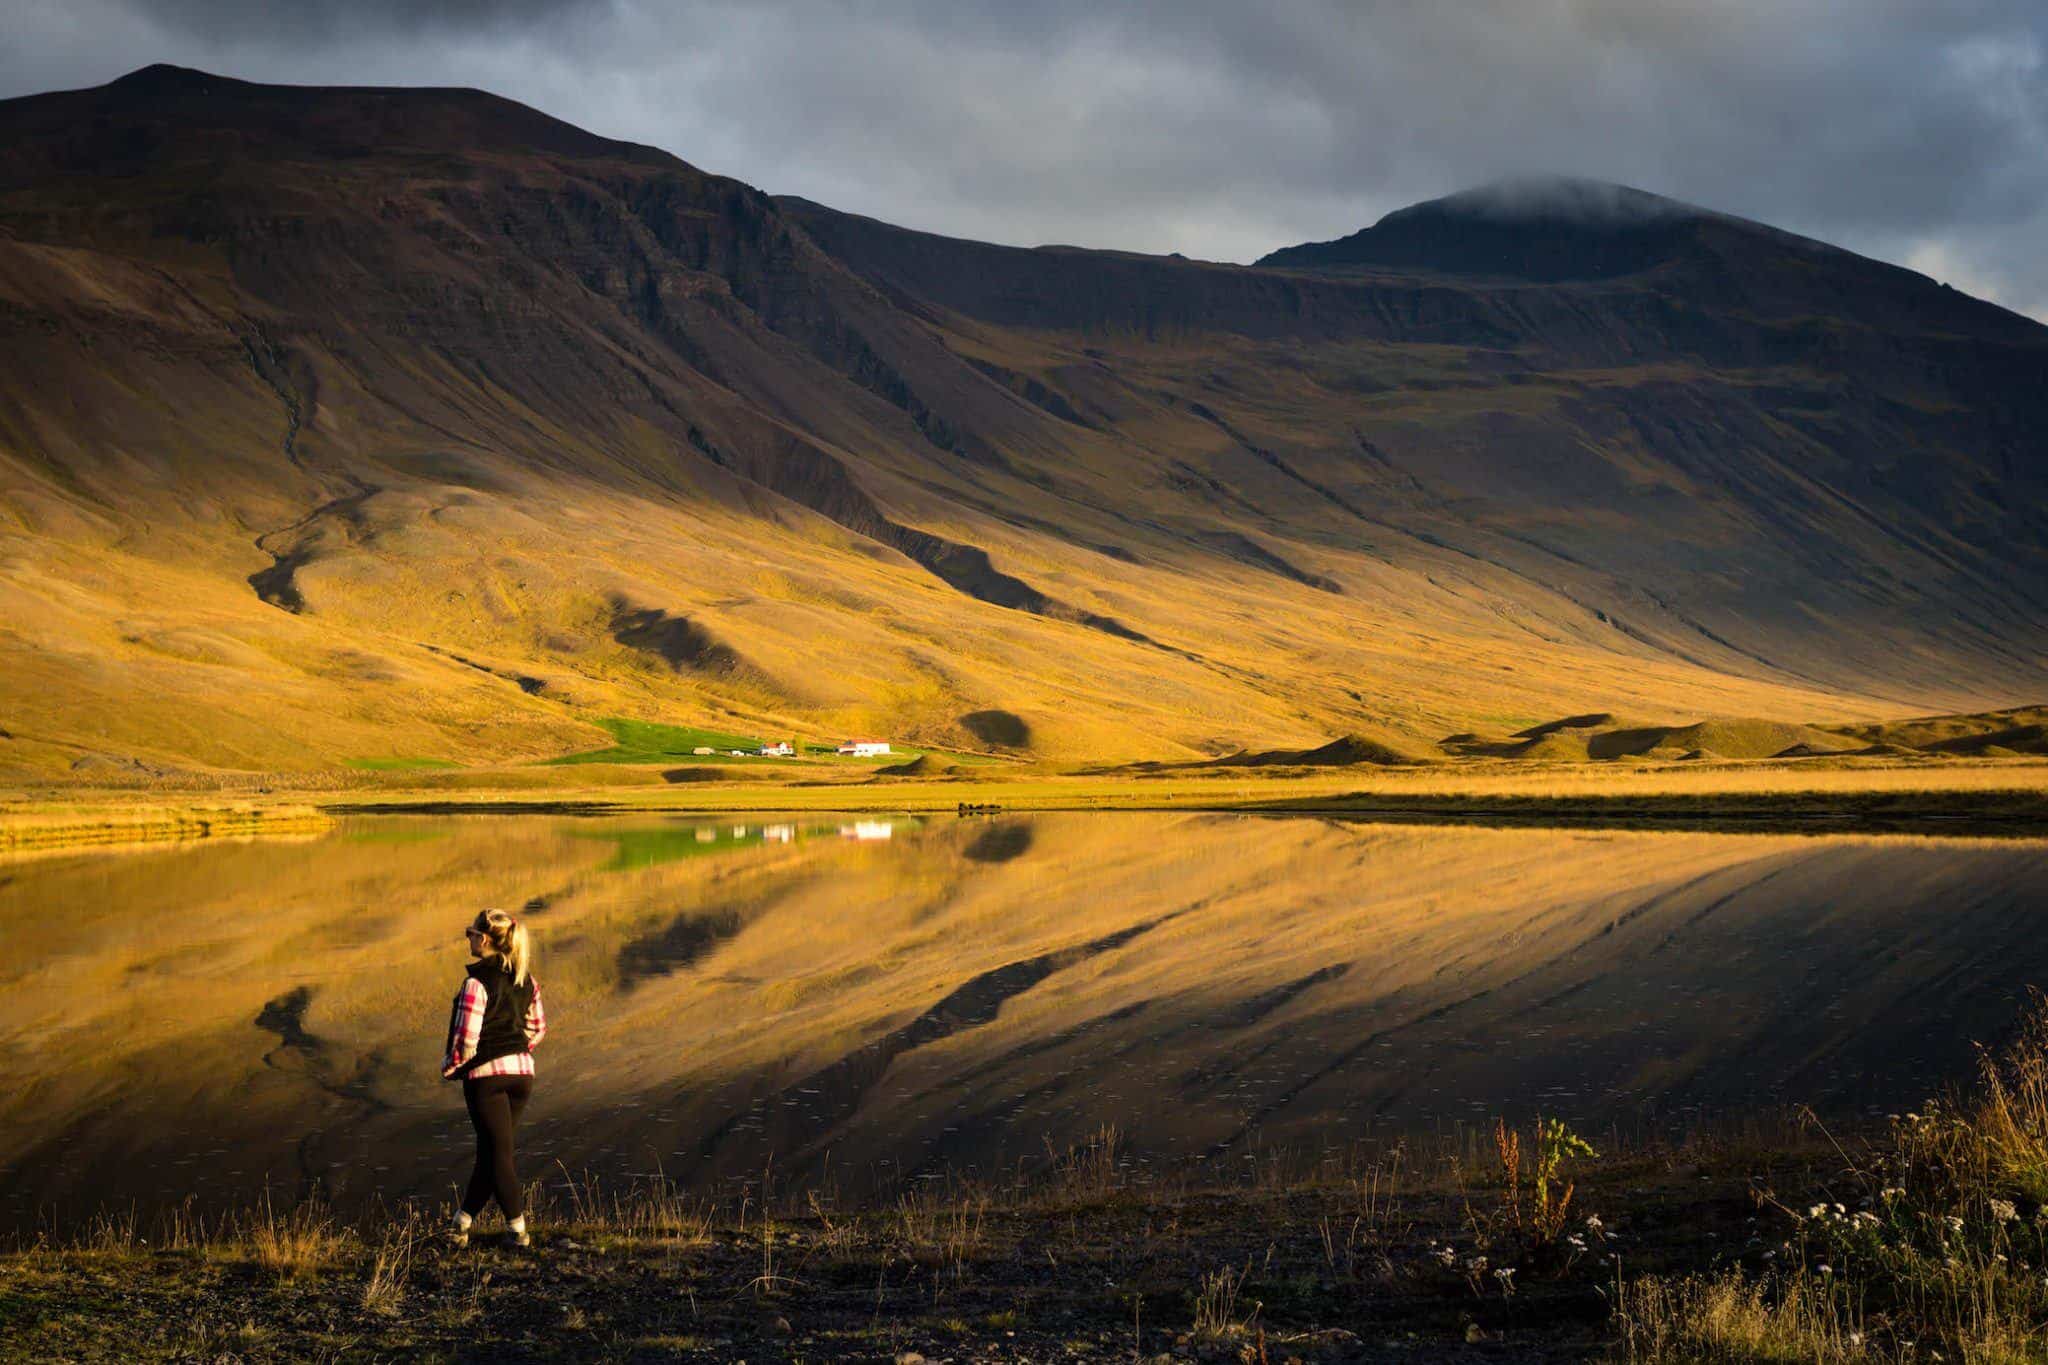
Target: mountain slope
(351, 424)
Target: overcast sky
(1915, 132)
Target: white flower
(1447, 1256)
(2003, 1210)
(1955, 1224)
(1892, 1192)
(1840, 1212)
(1593, 1223)
(1475, 1265)
(1817, 1211)
(1825, 1269)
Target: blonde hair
(508, 938)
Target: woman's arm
(536, 1020)
(464, 1025)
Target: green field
(646, 741)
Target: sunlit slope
(968, 992)
(373, 424)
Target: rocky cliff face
(315, 401)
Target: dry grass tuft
(1731, 1318)
(300, 1241)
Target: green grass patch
(646, 741)
(398, 765)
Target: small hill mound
(1556, 747)
(1755, 738)
(924, 765)
(2020, 728)
(2019, 739)
(1601, 736)
(1346, 751)
(1357, 748)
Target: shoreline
(106, 826)
(1952, 801)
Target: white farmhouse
(864, 748)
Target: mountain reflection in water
(911, 997)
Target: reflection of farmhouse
(864, 748)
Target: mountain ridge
(371, 390)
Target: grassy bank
(2008, 800)
(28, 827)
(1999, 798)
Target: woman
(497, 1021)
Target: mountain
(380, 424)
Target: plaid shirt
(468, 1021)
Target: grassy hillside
(426, 429)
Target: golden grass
(1936, 1249)
(1711, 1319)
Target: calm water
(902, 997)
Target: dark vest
(504, 1027)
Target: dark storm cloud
(1917, 132)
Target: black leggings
(494, 1104)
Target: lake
(877, 999)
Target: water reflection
(907, 996)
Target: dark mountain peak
(1545, 228)
(164, 78)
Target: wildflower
(1825, 1269)
(1855, 1339)
(1593, 1223)
(1770, 1255)
(1475, 1265)
(2003, 1210)
(1506, 1275)
(1817, 1211)
(1447, 1256)
(1840, 1212)
(1892, 1192)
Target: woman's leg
(478, 1192)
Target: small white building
(783, 750)
(864, 748)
